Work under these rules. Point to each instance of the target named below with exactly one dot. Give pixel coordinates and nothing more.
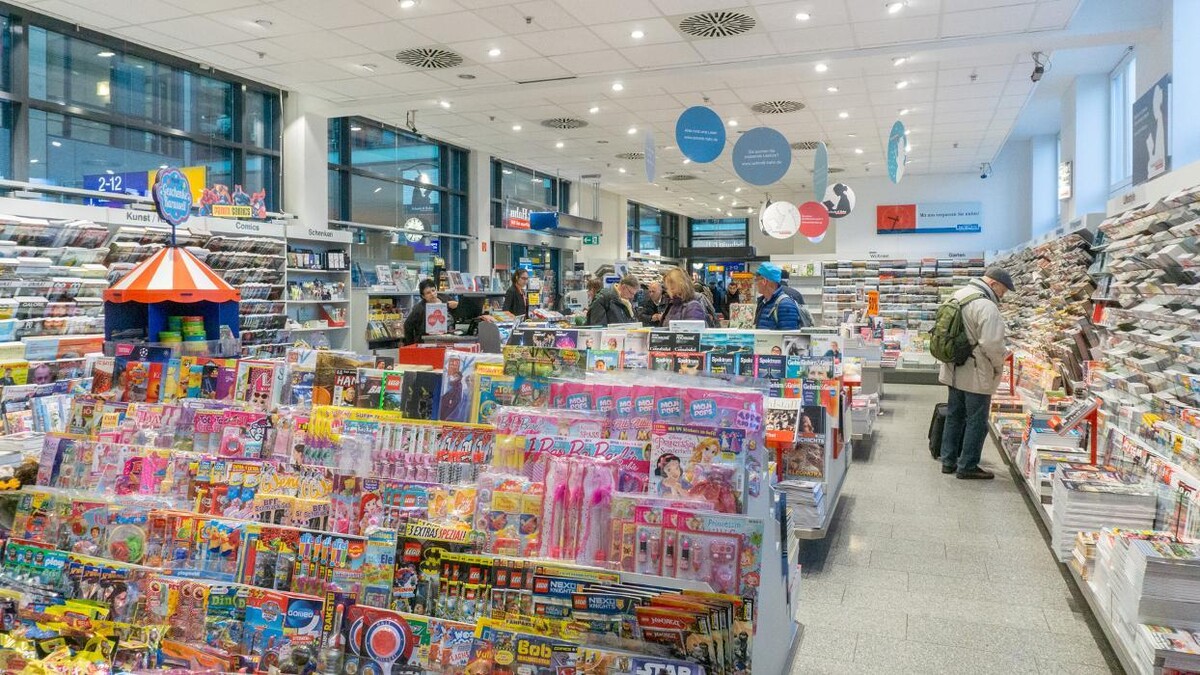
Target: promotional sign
(820, 171)
(839, 200)
(1151, 156)
(762, 156)
(1064, 180)
(651, 157)
(932, 218)
(814, 220)
(139, 183)
(516, 217)
(897, 152)
(781, 220)
(700, 134)
(173, 196)
(872, 303)
(219, 201)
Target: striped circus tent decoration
(172, 275)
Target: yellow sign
(872, 303)
(232, 211)
(197, 177)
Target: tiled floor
(925, 573)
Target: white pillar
(305, 161)
(479, 212)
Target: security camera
(985, 170)
(1040, 65)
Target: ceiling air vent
(717, 24)
(807, 145)
(681, 176)
(631, 155)
(564, 123)
(836, 169)
(429, 58)
(778, 107)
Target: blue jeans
(966, 429)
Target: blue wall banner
(700, 134)
(651, 157)
(1151, 147)
(820, 171)
(762, 156)
(930, 218)
(897, 153)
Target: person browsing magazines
(614, 304)
(650, 311)
(682, 302)
(776, 309)
(971, 385)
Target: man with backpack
(776, 309)
(968, 338)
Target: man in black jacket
(653, 305)
(614, 304)
(792, 292)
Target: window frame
(1122, 86)
(667, 224)
(560, 189)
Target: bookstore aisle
(925, 573)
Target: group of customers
(678, 297)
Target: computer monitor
(469, 309)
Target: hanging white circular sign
(781, 220)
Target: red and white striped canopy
(172, 274)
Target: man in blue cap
(776, 310)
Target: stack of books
(1089, 498)
(806, 503)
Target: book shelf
(910, 291)
(318, 287)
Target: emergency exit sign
(591, 239)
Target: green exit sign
(591, 239)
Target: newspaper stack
(1090, 498)
(806, 502)
(1171, 650)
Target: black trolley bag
(937, 426)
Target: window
(652, 231)
(1122, 92)
(99, 113)
(526, 188)
(718, 233)
(383, 175)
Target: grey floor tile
(993, 638)
(1052, 667)
(907, 656)
(1067, 622)
(923, 564)
(831, 644)
(811, 665)
(866, 620)
(865, 577)
(918, 547)
(815, 589)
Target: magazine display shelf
(1119, 647)
(320, 260)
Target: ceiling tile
(389, 36)
(212, 5)
(658, 56)
(876, 10)
(457, 27)
(811, 40)
(329, 15)
(392, 9)
(319, 45)
(896, 31)
(547, 15)
(1053, 14)
(530, 69)
(740, 47)
(132, 11)
(987, 21)
(199, 29)
(656, 31)
(565, 41)
(410, 82)
(607, 61)
(674, 7)
(511, 49)
(357, 87)
(280, 22)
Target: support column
(479, 212)
(305, 161)
(1085, 145)
(1184, 144)
(1043, 179)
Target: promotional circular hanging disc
(781, 220)
(814, 219)
(839, 200)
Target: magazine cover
(741, 315)
(806, 456)
(698, 461)
(437, 318)
(795, 344)
(460, 383)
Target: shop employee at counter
(776, 309)
(414, 325)
(515, 299)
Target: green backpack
(948, 342)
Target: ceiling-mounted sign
(762, 156)
(897, 152)
(781, 220)
(817, 240)
(1151, 156)
(814, 219)
(1064, 180)
(700, 134)
(839, 200)
(820, 171)
(762, 211)
(929, 218)
(172, 196)
(651, 157)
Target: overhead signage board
(700, 134)
(897, 151)
(762, 156)
(173, 196)
(1151, 146)
(929, 218)
(138, 184)
(820, 171)
(839, 200)
(651, 157)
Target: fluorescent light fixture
(637, 34)
(843, 115)
(106, 54)
(899, 60)
(821, 67)
(559, 144)
(832, 90)
(494, 52)
(617, 86)
(803, 16)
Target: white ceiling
(967, 68)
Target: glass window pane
(262, 173)
(262, 119)
(211, 105)
(67, 70)
(146, 90)
(335, 196)
(6, 126)
(335, 141)
(523, 185)
(6, 61)
(394, 154)
(458, 169)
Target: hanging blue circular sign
(820, 172)
(897, 149)
(762, 156)
(700, 134)
(173, 196)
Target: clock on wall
(414, 230)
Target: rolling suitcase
(936, 426)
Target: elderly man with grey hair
(654, 303)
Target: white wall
(1043, 183)
(612, 212)
(1005, 199)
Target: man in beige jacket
(973, 383)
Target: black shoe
(976, 474)
(949, 469)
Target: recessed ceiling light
(632, 131)
(858, 151)
(617, 86)
(444, 104)
(637, 34)
(832, 90)
(733, 203)
(408, 4)
(57, 144)
(894, 7)
(687, 161)
(733, 123)
(516, 127)
(902, 84)
(106, 54)
(594, 109)
(621, 170)
(494, 52)
(908, 147)
(907, 132)
(737, 189)
(821, 67)
(369, 67)
(355, 128)
(721, 198)
(559, 144)
(843, 115)
(899, 60)
(904, 111)
(803, 16)
(851, 135)
(466, 76)
(264, 23)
